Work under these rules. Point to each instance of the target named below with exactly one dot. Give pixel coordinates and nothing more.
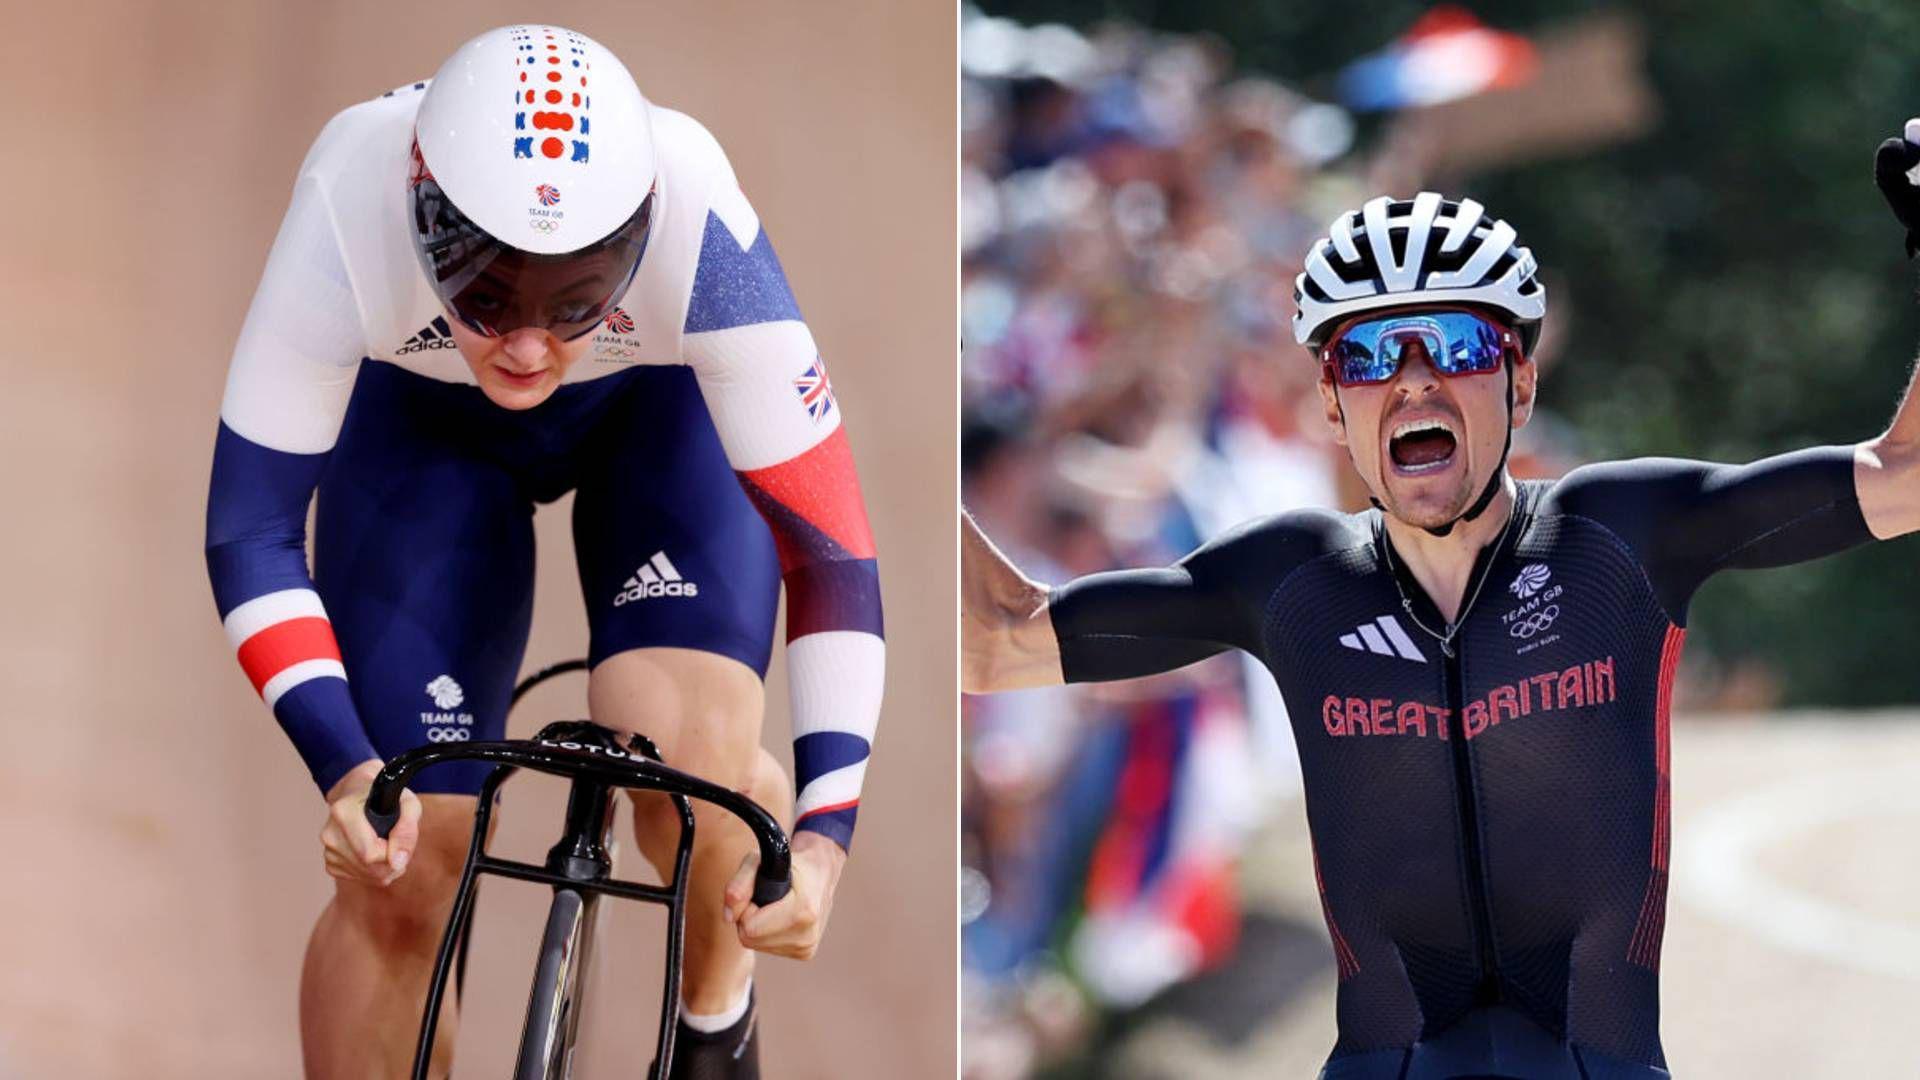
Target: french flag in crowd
(1161, 903)
(1447, 55)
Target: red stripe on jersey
(284, 644)
(828, 809)
(1343, 957)
(1663, 740)
(822, 487)
(1650, 928)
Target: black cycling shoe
(732, 1054)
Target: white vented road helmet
(1424, 250)
(533, 165)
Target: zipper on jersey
(1488, 992)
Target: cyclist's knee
(409, 915)
(772, 788)
(766, 783)
(701, 709)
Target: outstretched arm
(1886, 471)
(1006, 632)
(1122, 624)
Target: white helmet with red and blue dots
(533, 158)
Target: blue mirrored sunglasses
(1371, 350)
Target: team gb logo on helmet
(547, 194)
(551, 96)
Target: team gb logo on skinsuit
(446, 693)
(1530, 579)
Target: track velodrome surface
(161, 864)
(1792, 942)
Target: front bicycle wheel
(559, 988)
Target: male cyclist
(1478, 670)
(514, 281)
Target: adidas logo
(656, 577)
(1384, 636)
(435, 335)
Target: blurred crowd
(1133, 213)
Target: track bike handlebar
(607, 764)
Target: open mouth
(1422, 446)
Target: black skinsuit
(1489, 811)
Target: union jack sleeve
(773, 405)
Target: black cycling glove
(1891, 165)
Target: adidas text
(656, 577)
(435, 335)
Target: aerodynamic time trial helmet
(531, 186)
(1423, 250)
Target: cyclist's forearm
(835, 683)
(1128, 624)
(287, 650)
(1007, 640)
(1887, 470)
(275, 622)
(836, 652)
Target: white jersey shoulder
(695, 178)
(343, 284)
(359, 164)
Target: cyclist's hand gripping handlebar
(569, 759)
(379, 796)
(768, 889)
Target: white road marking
(1717, 866)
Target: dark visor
(495, 288)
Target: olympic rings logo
(618, 353)
(1535, 623)
(543, 225)
(448, 734)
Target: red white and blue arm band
(287, 389)
(775, 411)
(257, 560)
